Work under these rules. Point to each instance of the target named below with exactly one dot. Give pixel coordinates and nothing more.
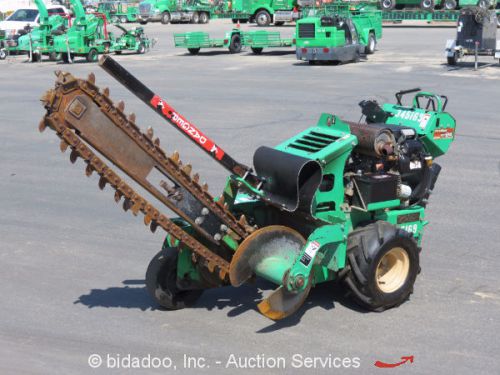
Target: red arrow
(390, 365)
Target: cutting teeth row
(181, 172)
(131, 200)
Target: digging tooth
(153, 226)
(46, 98)
(196, 177)
(222, 274)
(187, 169)
(243, 220)
(57, 73)
(131, 117)
(126, 204)
(42, 126)
(205, 187)
(211, 266)
(63, 146)
(102, 182)
(105, 91)
(157, 142)
(220, 201)
(175, 157)
(89, 170)
(118, 196)
(136, 207)
(147, 219)
(73, 156)
(121, 106)
(91, 78)
(150, 132)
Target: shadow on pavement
(133, 295)
(468, 65)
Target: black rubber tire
(372, 44)
(195, 18)
(263, 18)
(66, 58)
(3, 54)
(235, 44)
(452, 60)
(36, 57)
(161, 282)
(194, 51)
(143, 22)
(123, 19)
(427, 5)
(450, 4)
(141, 49)
(387, 4)
(312, 62)
(92, 55)
(204, 18)
(357, 57)
(165, 18)
(114, 19)
(484, 4)
(234, 20)
(498, 20)
(118, 52)
(365, 248)
(54, 56)
(257, 50)
(279, 23)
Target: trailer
(398, 16)
(431, 5)
(258, 40)
(233, 40)
(175, 11)
(476, 36)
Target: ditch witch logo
(188, 128)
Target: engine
(390, 162)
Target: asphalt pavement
(72, 263)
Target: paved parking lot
(72, 263)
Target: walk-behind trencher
(476, 36)
(339, 201)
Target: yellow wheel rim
(392, 270)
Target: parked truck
(339, 36)
(174, 11)
(119, 11)
(265, 12)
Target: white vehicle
(28, 16)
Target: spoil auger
(340, 200)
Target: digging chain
(56, 105)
